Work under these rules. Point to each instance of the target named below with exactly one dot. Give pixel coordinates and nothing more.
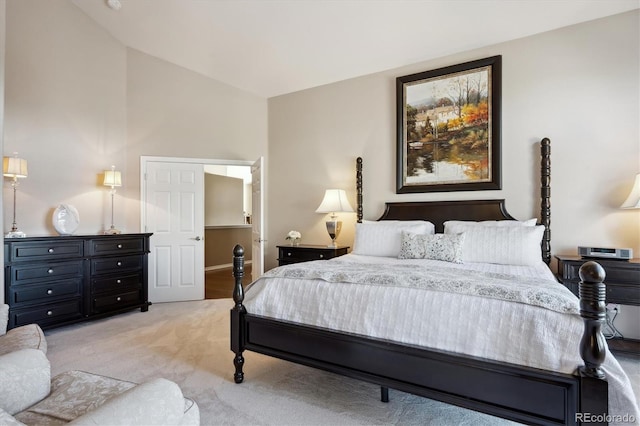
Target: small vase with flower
(294, 237)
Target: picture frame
(449, 128)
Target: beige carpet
(188, 342)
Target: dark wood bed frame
(514, 392)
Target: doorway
(228, 216)
(173, 210)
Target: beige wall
(175, 112)
(223, 201)
(65, 87)
(78, 101)
(219, 242)
(577, 85)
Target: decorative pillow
(412, 246)
(447, 247)
(507, 245)
(455, 223)
(383, 238)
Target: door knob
(197, 238)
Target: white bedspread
(470, 324)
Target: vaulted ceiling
(274, 47)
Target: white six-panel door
(174, 213)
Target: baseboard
(225, 266)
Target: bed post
(545, 196)
(384, 390)
(237, 314)
(359, 187)
(593, 384)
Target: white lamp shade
(633, 200)
(14, 167)
(112, 178)
(335, 200)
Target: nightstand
(306, 252)
(623, 287)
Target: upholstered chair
(26, 336)
(29, 396)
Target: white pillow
(446, 247)
(383, 238)
(455, 223)
(507, 245)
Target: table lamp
(15, 168)
(334, 201)
(112, 178)
(633, 200)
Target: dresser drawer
(112, 302)
(624, 294)
(116, 283)
(620, 272)
(111, 265)
(45, 293)
(307, 252)
(45, 315)
(299, 256)
(23, 274)
(623, 273)
(622, 278)
(117, 245)
(45, 250)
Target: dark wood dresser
(306, 252)
(622, 282)
(53, 281)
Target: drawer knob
(289, 254)
(49, 313)
(118, 281)
(50, 271)
(118, 298)
(50, 250)
(321, 256)
(49, 291)
(119, 246)
(119, 263)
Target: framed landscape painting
(449, 128)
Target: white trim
(148, 158)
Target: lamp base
(15, 234)
(333, 228)
(112, 231)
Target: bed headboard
(438, 212)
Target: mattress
(479, 324)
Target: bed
(353, 333)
